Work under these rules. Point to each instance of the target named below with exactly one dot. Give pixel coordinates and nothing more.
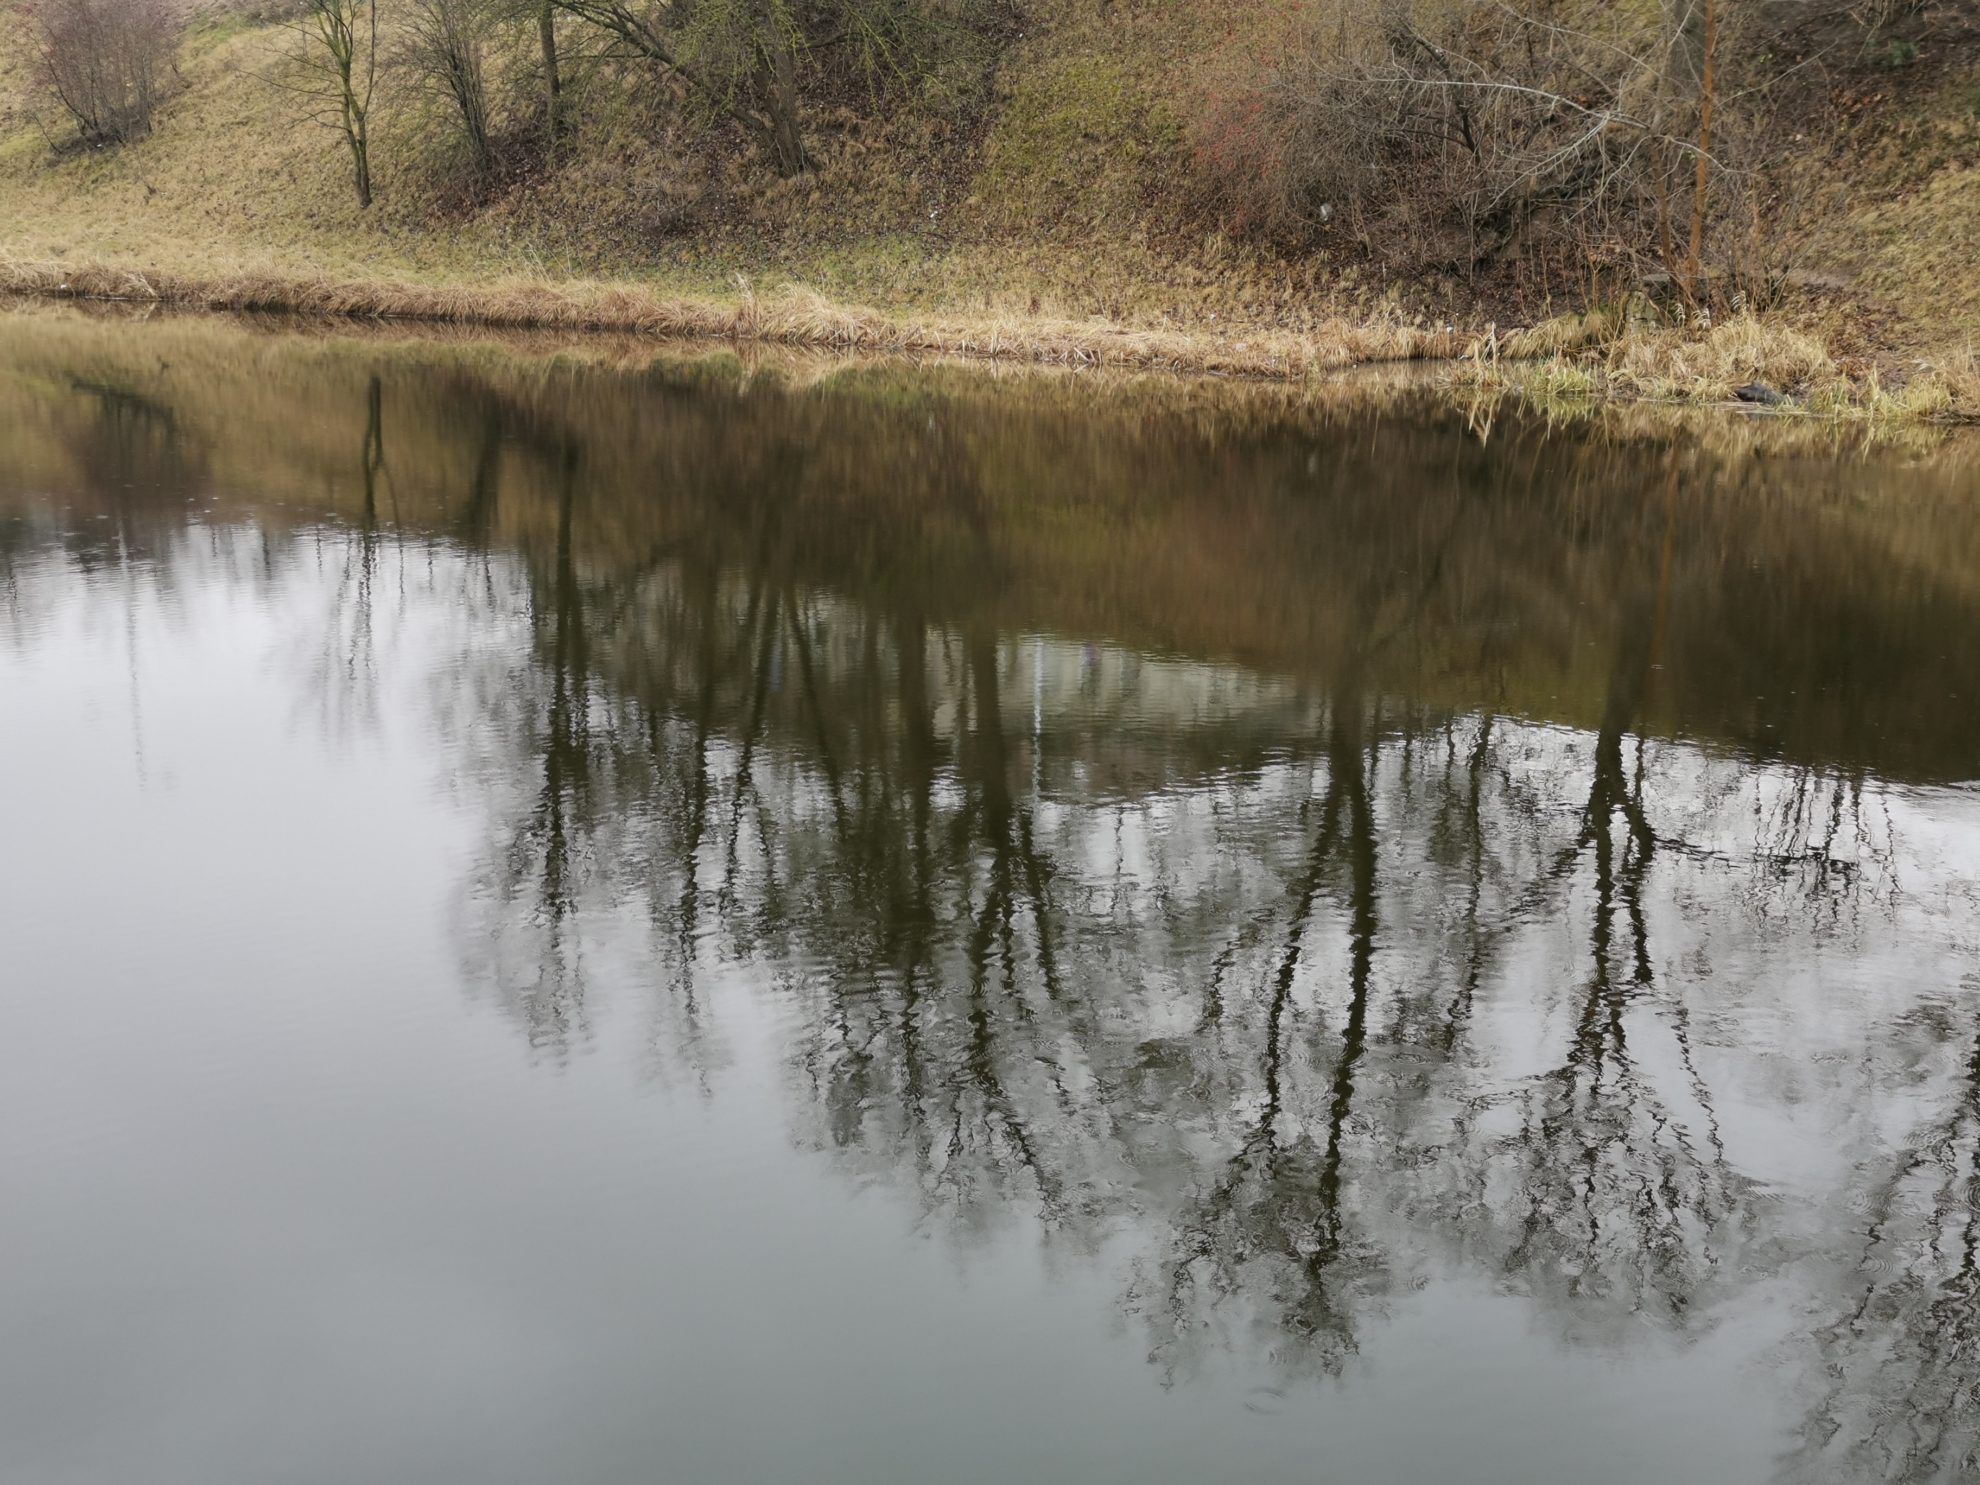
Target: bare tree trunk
(360, 141)
(357, 130)
(553, 82)
(340, 51)
(1666, 245)
(780, 96)
(358, 68)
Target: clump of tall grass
(1561, 335)
(1599, 355)
(1950, 386)
(1735, 352)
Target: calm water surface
(583, 918)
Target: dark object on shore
(1761, 393)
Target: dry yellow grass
(1559, 335)
(1708, 367)
(1950, 386)
(790, 316)
(1598, 356)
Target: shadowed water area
(582, 915)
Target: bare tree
(764, 103)
(446, 46)
(337, 66)
(103, 62)
(553, 78)
(749, 59)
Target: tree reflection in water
(1900, 1364)
(1323, 978)
(1177, 1004)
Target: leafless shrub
(1449, 134)
(103, 62)
(445, 50)
(755, 63)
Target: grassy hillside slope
(1066, 194)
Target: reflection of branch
(477, 515)
(760, 690)
(1615, 1193)
(1474, 964)
(808, 674)
(554, 1008)
(1294, 1218)
(1905, 1360)
(1815, 831)
(698, 789)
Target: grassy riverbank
(1056, 220)
(789, 316)
(1574, 359)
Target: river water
(573, 914)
